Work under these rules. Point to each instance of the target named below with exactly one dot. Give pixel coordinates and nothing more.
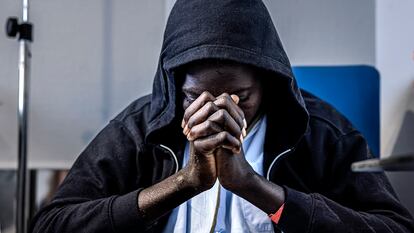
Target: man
(226, 142)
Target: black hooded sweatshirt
(144, 144)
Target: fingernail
(189, 138)
(182, 123)
(241, 138)
(245, 123)
(236, 151)
(244, 133)
(186, 130)
(235, 98)
(227, 147)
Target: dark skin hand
(215, 123)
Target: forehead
(218, 76)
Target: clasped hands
(216, 127)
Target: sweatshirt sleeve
(356, 202)
(98, 194)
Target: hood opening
(241, 31)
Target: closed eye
(189, 96)
(243, 98)
(243, 95)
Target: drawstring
(274, 161)
(173, 155)
(213, 226)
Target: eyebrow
(196, 91)
(241, 90)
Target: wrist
(193, 179)
(247, 185)
(262, 193)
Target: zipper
(172, 155)
(275, 160)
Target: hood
(237, 30)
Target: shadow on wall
(402, 183)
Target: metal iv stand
(24, 30)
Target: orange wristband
(276, 216)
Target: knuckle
(209, 124)
(225, 95)
(242, 114)
(238, 131)
(195, 134)
(186, 114)
(202, 149)
(210, 106)
(205, 95)
(191, 122)
(221, 113)
(221, 101)
(223, 136)
(198, 146)
(227, 98)
(239, 121)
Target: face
(224, 78)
